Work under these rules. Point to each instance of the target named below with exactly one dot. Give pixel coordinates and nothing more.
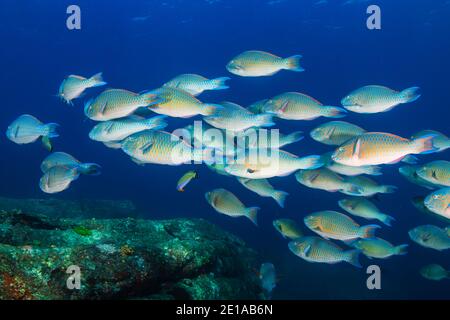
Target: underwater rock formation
(122, 259)
(87, 208)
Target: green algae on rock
(123, 259)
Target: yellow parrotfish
(436, 172)
(180, 104)
(259, 63)
(117, 103)
(434, 272)
(225, 202)
(288, 228)
(379, 248)
(364, 208)
(373, 148)
(334, 225)
(195, 84)
(73, 86)
(161, 147)
(430, 236)
(316, 249)
(335, 133)
(299, 106)
(185, 179)
(438, 202)
(374, 99)
(263, 188)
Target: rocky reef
(124, 258)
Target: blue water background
(195, 36)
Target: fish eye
(341, 149)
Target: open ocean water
(139, 45)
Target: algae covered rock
(122, 259)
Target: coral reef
(122, 259)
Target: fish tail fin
(388, 189)
(410, 94)
(293, 137)
(97, 80)
(410, 159)
(401, 249)
(156, 123)
(265, 120)
(387, 219)
(334, 112)
(151, 98)
(47, 143)
(310, 162)
(50, 130)
(219, 83)
(280, 197)
(293, 63)
(374, 171)
(352, 257)
(425, 144)
(210, 109)
(91, 169)
(368, 231)
(252, 214)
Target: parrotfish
(73, 86)
(335, 225)
(259, 63)
(27, 129)
(379, 248)
(430, 236)
(263, 188)
(373, 148)
(195, 84)
(236, 118)
(225, 202)
(335, 133)
(117, 103)
(374, 99)
(364, 208)
(298, 106)
(288, 228)
(316, 249)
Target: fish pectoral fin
(102, 109)
(307, 250)
(313, 177)
(357, 148)
(284, 107)
(146, 147)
